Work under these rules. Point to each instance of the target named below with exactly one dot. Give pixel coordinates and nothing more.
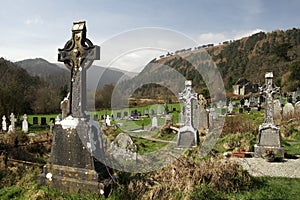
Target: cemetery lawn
(271, 188)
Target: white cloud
(216, 38)
(34, 20)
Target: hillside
(58, 74)
(249, 57)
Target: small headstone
(35, 121)
(4, 125)
(247, 103)
(213, 113)
(230, 108)
(107, 120)
(12, 121)
(169, 119)
(51, 125)
(146, 113)
(220, 104)
(119, 115)
(43, 121)
(95, 117)
(252, 100)
(152, 112)
(154, 123)
(223, 111)
(277, 109)
(242, 102)
(102, 117)
(25, 124)
(159, 112)
(288, 111)
(166, 109)
(123, 148)
(112, 117)
(241, 110)
(125, 114)
(297, 109)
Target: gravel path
(259, 167)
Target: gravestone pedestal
(268, 140)
(72, 166)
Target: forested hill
(249, 57)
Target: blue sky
(37, 28)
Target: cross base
(187, 137)
(73, 180)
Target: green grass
(271, 188)
(147, 146)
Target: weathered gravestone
(277, 109)
(12, 122)
(297, 109)
(203, 121)
(288, 111)
(65, 106)
(77, 140)
(4, 124)
(25, 124)
(187, 135)
(119, 115)
(43, 121)
(269, 134)
(154, 123)
(230, 108)
(35, 121)
(125, 114)
(123, 148)
(159, 112)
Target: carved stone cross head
(79, 51)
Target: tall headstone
(203, 121)
(12, 122)
(107, 120)
(187, 135)
(25, 124)
(269, 134)
(277, 109)
(297, 109)
(4, 124)
(77, 140)
(230, 108)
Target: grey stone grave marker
(65, 106)
(159, 112)
(119, 115)
(230, 108)
(125, 114)
(203, 121)
(154, 122)
(77, 140)
(269, 134)
(95, 117)
(123, 148)
(4, 124)
(277, 109)
(35, 121)
(288, 111)
(25, 124)
(43, 121)
(297, 109)
(12, 121)
(187, 135)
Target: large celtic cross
(188, 96)
(268, 90)
(78, 55)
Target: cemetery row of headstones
(13, 120)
